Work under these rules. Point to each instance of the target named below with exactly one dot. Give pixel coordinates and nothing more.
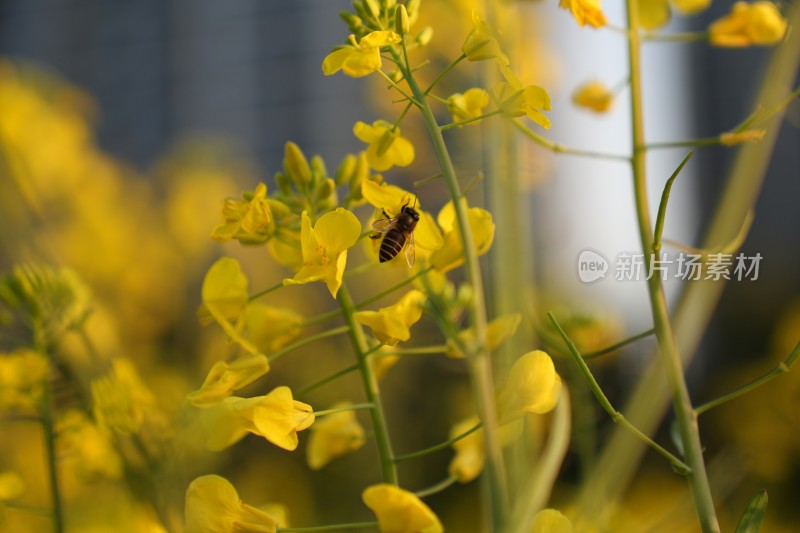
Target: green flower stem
(371, 389)
(692, 143)
(422, 350)
(398, 88)
(478, 360)
(617, 346)
(615, 415)
(662, 207)
(326, 380)
(561, 149)
(668, 349)
(49, 431)
(782, 368)
(437, 488)
(354, 407)
(308, 340)
(684, 37)
(402, 115)
(437, 447)
(427, 180)
(443, 73)
(470, 120)
(258, 295)
(727, 248)
(333, 527)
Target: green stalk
(371, 389)
(668, 349)
(436, 447)
(49, 432)
(332, 527)
(478, 356)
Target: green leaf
(754, 514)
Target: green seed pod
(346, 169)
(386, 141)
(401, 25)
(425, 36)
(295, 164)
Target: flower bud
(353, 21)
(425, 36)
(325, 188)
(346, 169)
(373, 8)
(412, 7)
(295, 164)
(284, 183)
(360, 174)
(318, 170)
(401, 25)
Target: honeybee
(398, 234)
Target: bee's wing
(410, 250)
(382, 225)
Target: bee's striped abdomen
(391, 245)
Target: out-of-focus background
(124, 125)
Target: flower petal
(337, 231)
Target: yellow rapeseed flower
(223, 379)
(533, 386)
(271, 328)
(481, 43)
(213, 506)
(497, 331)
(585, 12)
(121, 399)
(357, 59)
(656, 13)
(468, 105)
(11, 486)
(593, 95)
(325, 248)
(451, 254)
(333, 436)
(87, 449)
(400, 511)
(517, 100)
(387, 147)
(247, 220)
(392, 324)
(550, 521)
(759, 23)
(22, 378)
(277, 417)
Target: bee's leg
(375, 236)
(385, 214)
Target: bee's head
(411, 211)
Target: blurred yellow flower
(86, 448)
(497, 331)
(392, 324)
(451, 254)
(246, 220)
(533, 386)
(223, 379)
(759, 23)
(654, 14)
(358, 59)
(468, 105)
(387, 147)
(593, 95)
(481, 43)
(213, 506)
(391, 199)
(467, 464)
(333, 436)
(400, 511)
(325, 248)
(517, 100)
(550, 521)
(11, 486)
(585, 12)
(271, 328)
(22, 379)
(690, 7)
(120, 399)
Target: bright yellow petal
(366, 133)
(380, 38)
(333, 436)
(278, 417)
(427, 234)
(225, 287)
(400, 511)
(223, 379)
(387, 197)
(334, 61)
(335, 273)
(362, 62)
(337, 231)
(307, 274)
